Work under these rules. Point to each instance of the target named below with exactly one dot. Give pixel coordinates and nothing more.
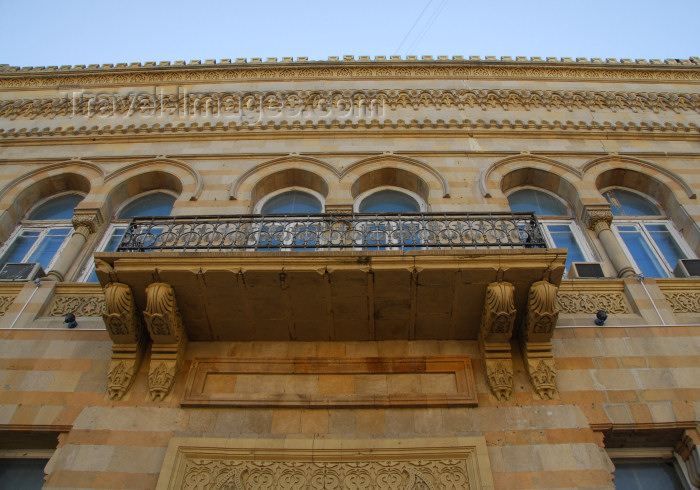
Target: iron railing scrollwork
(385, 231)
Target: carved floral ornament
(5, 302)
(297, 102)
(413, 464)
(679, 130)
(684, 301)
(78, 305)
(590, 303)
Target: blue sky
(38, 33)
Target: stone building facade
(452, 345)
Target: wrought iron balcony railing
(333, 232)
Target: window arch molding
(266, 198)
(16, 205)
(118, 213)
(657, 191)
(421, 203)
(286, 180)
(567, 207)
(43, 232)
(396, 178)
(137, 185)
(543, 180)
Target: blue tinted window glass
(626, 203)
(20, 473)
(543, 204)
(48, 246)
(110, 246)
(20, 247)
(646, 475)
(389, 202)
(155, 204)
(60, 207)
(292, 202)
(666, 243)
(641, 252)
(563, 237)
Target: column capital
(596, 214)
(89, 219)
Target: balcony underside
(349, 295)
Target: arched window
(292, 232)
(43, 233)
(158, 203)
(394, 232)
(555, 217)
(389, 201)
(650, 240)
(291, 202)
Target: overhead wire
(413, 26)
(427, 26)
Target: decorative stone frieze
(496, 330)
(78, 305)
(158, 131)
(128, 336)
(413, 464)
(344, 70)
(538, 328)
(416, 99)
(169, 339)
(683, 301)
(591, 302)
(5, 302)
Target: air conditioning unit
(27, 271)
(687, 268)
(586, 270)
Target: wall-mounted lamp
(70, 320)
(600, 318)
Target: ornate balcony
(331, 277)
(421, 231)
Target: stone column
(598, 219)
(85, 222)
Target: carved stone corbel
(538, 328)
(128, 336)
(169, 338)
(495, 333)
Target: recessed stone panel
(331, 382)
